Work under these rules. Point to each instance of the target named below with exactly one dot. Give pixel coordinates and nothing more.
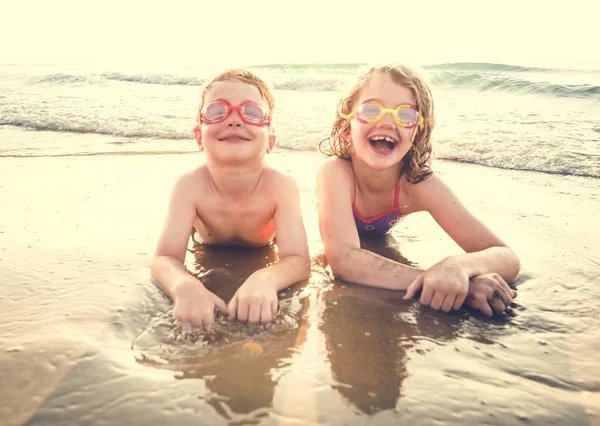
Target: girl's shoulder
(336, 166)
(432, 180)
(335, 171)
(424, 195)
(417, 195)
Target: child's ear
(198, 137)
(272, 140)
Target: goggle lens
(215, 111)
(407, 115)
(254, 112)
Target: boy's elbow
(304, 266)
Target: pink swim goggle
(250, 112)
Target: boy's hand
(490, 294)
(254, 302)
(445, 286)
(195, 304)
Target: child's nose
(387, 121)
(234, 119)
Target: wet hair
(416, 164)
(243, 76)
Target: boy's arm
(292, 248)
(342, 244)
(294, 263)
(256, 300)
(167, 265)
(193, 302)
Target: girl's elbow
(340, 266)
(515, 264)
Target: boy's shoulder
(275, 177)
(196, 177)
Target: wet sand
(76, 238)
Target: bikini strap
(396, 196)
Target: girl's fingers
(459, 301)
(448, 304)
(414, 287)
(437, 300)
(496, 302)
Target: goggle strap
(347, 116)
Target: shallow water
(86, 337)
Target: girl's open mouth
(383, 144)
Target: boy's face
(234, 140)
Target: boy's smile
(233, 137)
(233, 140)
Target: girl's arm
(342, 244)
(485, 252)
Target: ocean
(88, 156)
(504, 116)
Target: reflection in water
(234, 359)
(369, 333)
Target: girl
(380, 172)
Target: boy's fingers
(266, 315)
(198, 319)
(274, 306)
(254, 314)
(242, 311)
(221, 305)
(233, 304)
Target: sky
(246, 32)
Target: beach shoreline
(77, 234)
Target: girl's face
(233, 140)
(383, 144)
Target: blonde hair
(416, 164)
(244, 76)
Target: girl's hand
(445, 286)
(254, 302)
(195, 304)
(490, 294)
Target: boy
(234, 198)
